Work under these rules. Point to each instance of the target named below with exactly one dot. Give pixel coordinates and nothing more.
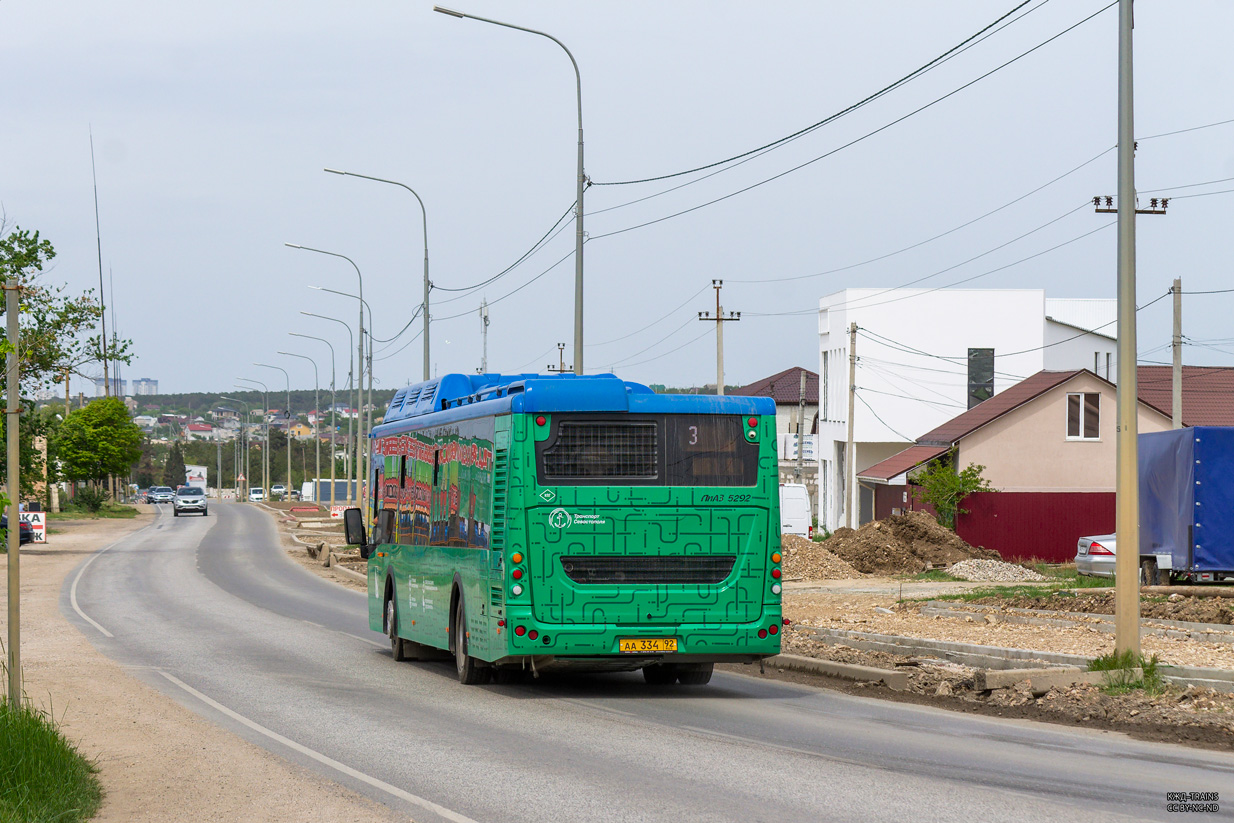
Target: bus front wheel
(471, 672)
(397, 644)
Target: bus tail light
(520, 630)
(775, 573)
(773, 628)
(762, 634)
(775, 557)
(775, 588)
(533, 634)
(753, 421)
(517, 574)
(516, 590)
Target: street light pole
(581, 181)
(265, 448)
(1127, 503)
(243, 437)
(427, 283)
(316, 424)
(332, 411)
(359, 351)
(348, 453)
(287, 377)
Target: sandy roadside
(158, 761)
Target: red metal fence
(1018, 525)
(1041, 525)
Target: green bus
(534, 523)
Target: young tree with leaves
(945, 489)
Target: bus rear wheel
(471, 672)
(694, 674)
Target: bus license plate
(630, 645)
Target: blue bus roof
(462, 396)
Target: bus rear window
(648, 450)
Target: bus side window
(436, 466)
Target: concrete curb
(348, 573)
(893, 679)
(999, 658)
(1041, 681)
(1102, 623)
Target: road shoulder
(157, 759)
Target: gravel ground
(1181, 714)
(859, 612)
(992, 571)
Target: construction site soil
(1191, 609)
(807, 560)
(902, 544)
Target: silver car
(190, 499)
(1095, 556)
(161, 494)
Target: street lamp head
(334, 171)
(293, 246)
(450, 12)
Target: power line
(535, 247)
(830, 118)
(857, 394)
(706, 333)
(858, 139)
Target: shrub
(90, 498)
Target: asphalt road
(211, 612)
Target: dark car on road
(26, 530)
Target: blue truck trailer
(1187, 503)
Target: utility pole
(98, 242)
(561, 360)
(484, 334)
(719, 319)
(1127, 519)
(1177, 405)
(801, 419)
(218, 442)
(849, 470)
(12, 411)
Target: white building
(145, 385)
(924, 356)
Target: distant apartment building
(145, 385)
(118, 387)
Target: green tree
(173, 471)
(145, 471)
(97, 441)
(945, 489)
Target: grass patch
(1022, 590)
(1120, 668)
(938, 575)
(43, 778)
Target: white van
(795, 514)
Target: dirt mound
(1192, 609)
(902, 544)
(808, 560)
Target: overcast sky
(212, 123)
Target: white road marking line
(82, 570)
(394, 791)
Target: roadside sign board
(38, 522)
(337, 512)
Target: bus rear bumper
(695, 643)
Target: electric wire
(801, 132)
(857, 140)
(857, 394)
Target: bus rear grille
(705, 569)
(602, 449)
